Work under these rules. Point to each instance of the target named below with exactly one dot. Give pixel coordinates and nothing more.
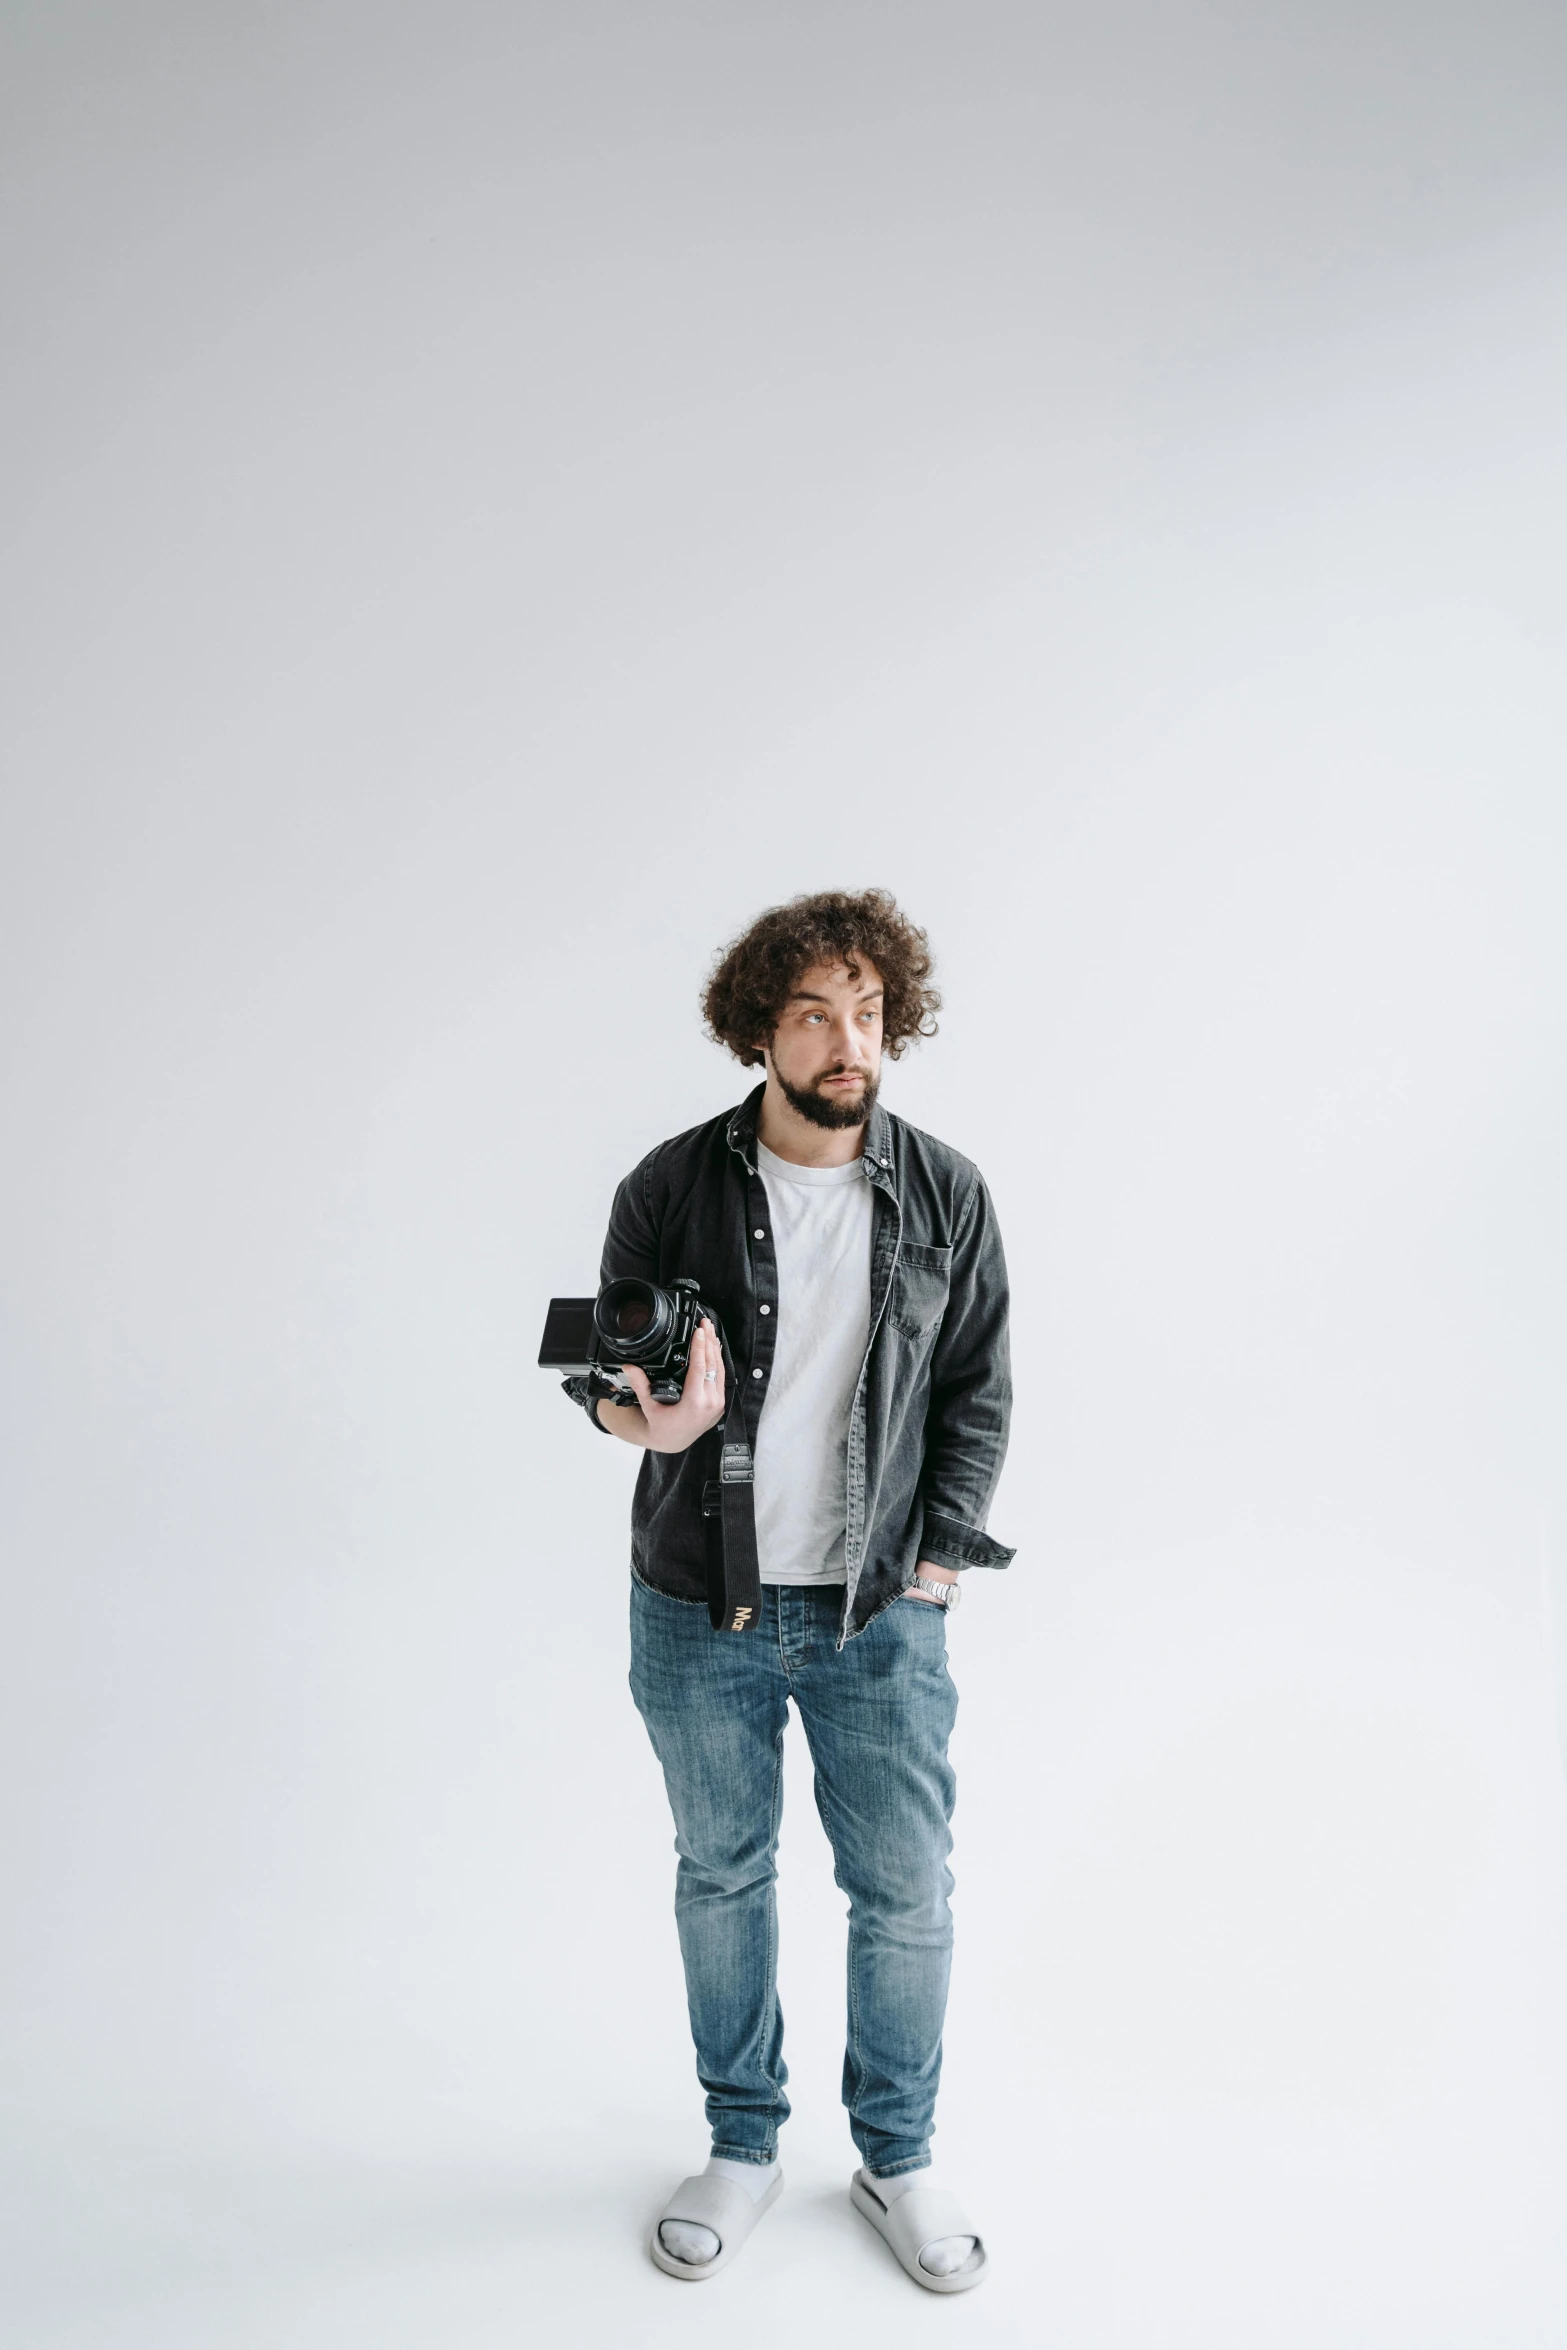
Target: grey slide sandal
(922, 2216)
(711, 2203)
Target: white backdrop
(497, 495)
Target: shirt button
(759, 1234)
(756, 1374)
(764, 1309)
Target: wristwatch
(945, 1595)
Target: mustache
(842, 1109)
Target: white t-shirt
(822, 1240)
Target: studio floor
(1142, 2235)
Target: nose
(847, 1040)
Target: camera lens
(634, 1319)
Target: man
(855, 1270)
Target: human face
(826, 1050)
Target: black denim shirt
(928, 1430)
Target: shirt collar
(740, 1134)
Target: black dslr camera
(630, 1321)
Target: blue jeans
(877, 1716)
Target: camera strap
(734, 1591)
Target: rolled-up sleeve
(970, 1397)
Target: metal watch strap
(945, 1595)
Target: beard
(821, 1108)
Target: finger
(715, 1354)
(637, 1380)
(696, 1390)
(715, 1360)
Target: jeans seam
(852, 1939)
(854, 2007)
(769, 2006)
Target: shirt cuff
(581, 1391)
(947, 1542)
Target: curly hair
(754, 977)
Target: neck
(783, 1131)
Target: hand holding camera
(671, 1427)
(661, 1346)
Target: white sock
(684, 2240)
(947, 2254)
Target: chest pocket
(919, 1289)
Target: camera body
(630, 1321)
